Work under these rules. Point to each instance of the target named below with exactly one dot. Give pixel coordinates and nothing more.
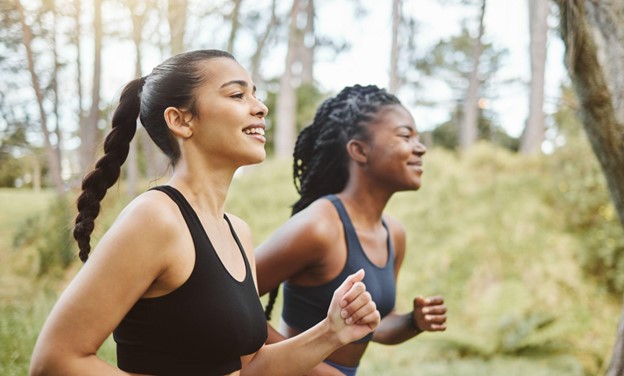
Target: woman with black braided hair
(361, 148)
(174, 277)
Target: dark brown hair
(170, 84)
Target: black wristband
(412, 324)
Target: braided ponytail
(107, 169)
(320, 158)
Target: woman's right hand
(352, 313)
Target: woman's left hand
(429, 313)
(352, 312)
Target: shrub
(50, 234)
(580, 192)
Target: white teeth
(259, 131)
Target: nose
(419, 148)
(260, 109)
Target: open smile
(256, 131)
(259, 131)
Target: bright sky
(506, 24)
(367, 61)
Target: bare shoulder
(300, 244)
(244, 234)
(145, 228)
(240, 226)
(318, 224)
(397, 229)
(398, 236)
(155, 210)
(126, 263)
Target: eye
(237, 95)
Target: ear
(358, 151)
(178, 123)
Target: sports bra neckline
(182, 201)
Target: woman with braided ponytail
(361, 148)
(174, 277)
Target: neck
(366, 202)
(205, 187)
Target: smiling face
(394, 149)
(229, 125)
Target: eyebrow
(409, 128)
(242, 83)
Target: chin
(414, 186)
(259, 158)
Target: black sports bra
(201, 328)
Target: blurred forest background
(522, 233)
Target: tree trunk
(51, 154)
(177, 23)
(593, 32)
(54, 86)
(468, 125)
(234, 25)
(90, 131)
(395, 81)
(261, 42)
(36, 174)
(287, 97)
(308, 44)
(533, 134)
(132, 163)
(155, 161)
(80, 111)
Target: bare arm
(297, 247)
(320, 369)
(428, 314)
(119, 271)
(301, 353)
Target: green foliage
(488, 230)
(481, 233)
(532, 334)
(50, 235)
(263, 195)
(17, 205)
(447, 134)
(452, 60)
(12, 141)
(10, 170)
(581, 194)
(270, 100)
(308, 99)
(20, 323)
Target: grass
(23, 306)
(17, 205)
(480, 232)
